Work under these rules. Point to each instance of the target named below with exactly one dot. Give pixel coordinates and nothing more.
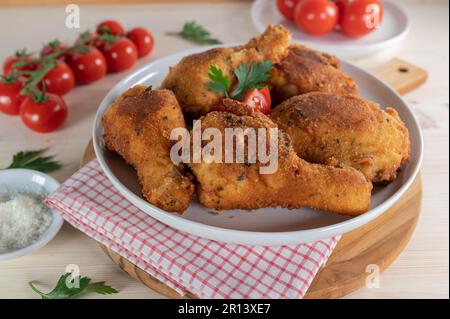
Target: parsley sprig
(34, 160)
(195, 33)
(219, 82)
(62, 291)
(248, 77)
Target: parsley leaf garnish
(248, 77)
(61, 291)
(33, 160)
(219, 82)
(253, 77)
(195, 33)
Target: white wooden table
(422, 269)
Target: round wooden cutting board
(376, 243)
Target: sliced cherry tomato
(111, 26)
(10, 98)
(89, 66)
(54, 45)
(258, 99)
(17, 57)
(360, 17)
(59, 80)
(120, 55)
(287, 8)
(316, 17)
(266, 92)
(46, 116)
(142, 39)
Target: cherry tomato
(89, 66)
(142, 39)
(120, 55)
(316, 17)
(287, 8)
(341, 4)
(258, 99)
(110, 26)
(59, 80)
(90, 39)
(46, 116)
(10, 98)
(17, 57)
(54, 45)
(360, 17)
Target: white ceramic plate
(266, 226)
(393, 29)
(30, 181)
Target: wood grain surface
(401, 75)
(421, 271)
(79, 2)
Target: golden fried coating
(137, 126)
(345, 130)
(304, 70)
(294, 184)
(189, 78)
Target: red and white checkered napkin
(206, 268)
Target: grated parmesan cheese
(23, 219)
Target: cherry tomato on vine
(59, 80)
(54, 45)
(111, 26)
(142, 39)
(89, 66)
(258, 99)
(10, 98)
(360, 17)
(46, 116)
(287, 8)
(17, 57)
(90, 39)
(316, 17)
(120, 55)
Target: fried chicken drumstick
(296, 183)
(189, 78)
(137, 126)
(345, 130)
(304, 70)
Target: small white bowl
(30, 181)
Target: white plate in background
(267, 226)
(393, 29)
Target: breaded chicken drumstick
(294, 184)
(137, 126)
(188, 79)
(304, 70)
(345, 130)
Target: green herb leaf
(253, 77)
(62, 291)
(195, 33)
(33, 160)
(219, 82)
(100, 288)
